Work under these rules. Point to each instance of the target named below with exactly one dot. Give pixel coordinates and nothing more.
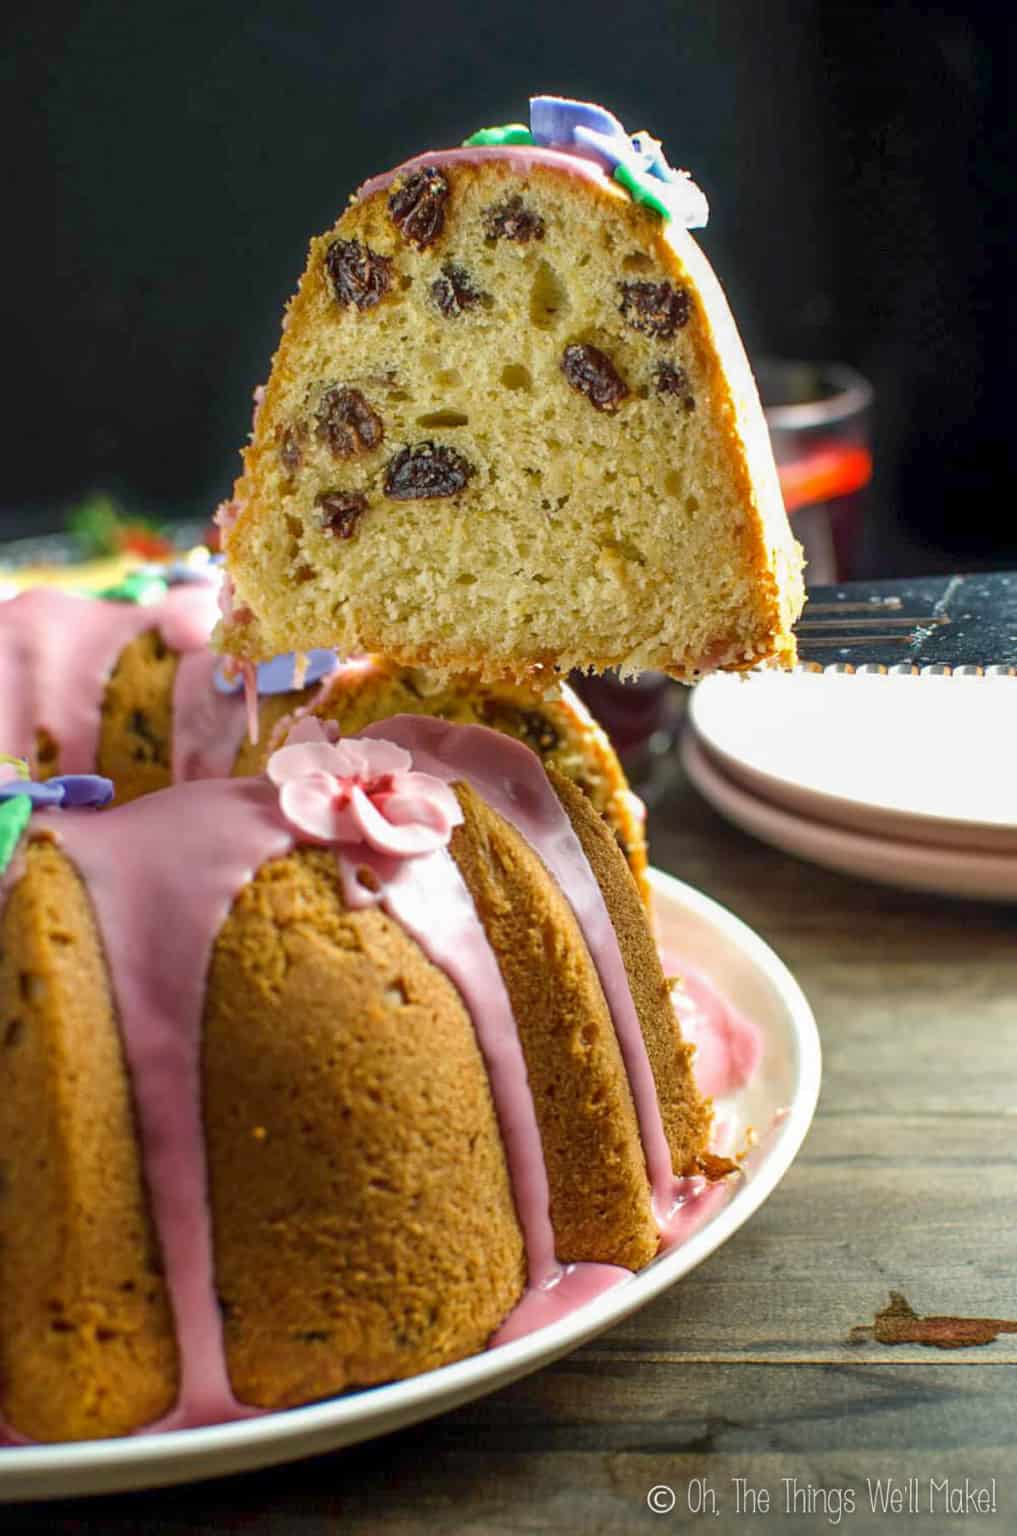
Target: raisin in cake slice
(511, 429)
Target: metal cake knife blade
(965, 625)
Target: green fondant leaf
(14, 818)
(508, 133)
(136, 587)
(640, 189)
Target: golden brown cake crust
(298, 584)
(363, 1221)
(136, 734)
(86, 1338)
(685, 1114)
(600, 1197)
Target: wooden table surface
(746, 1369)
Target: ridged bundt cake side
(86, 1336)
(363, 1139)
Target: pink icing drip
(213, 836)
(250, 675)
(521, 157)
(569, 1289)
(510, 778)
(57, 653)
(428, 897)
(208, 726)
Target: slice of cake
(511, 428)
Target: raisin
(148, 746)
(360, 276)
(453, 291)
(347, 423)
(426, 471)
(290, 447)
(530, 725)
(418, 206)
(656, 309)
(512, 220)
(593, 374)
(341, 511)
(672, 379)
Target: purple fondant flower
(635, 160)
(281, 675)
(68, 789)
(361, 791)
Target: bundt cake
(401, 1074)
(131, 690)
(510, 427)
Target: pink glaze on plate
(728, 1043)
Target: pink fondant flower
(360, 791)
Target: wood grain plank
(576, 1448)
(915, 995)
(927, 1206)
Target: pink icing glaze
(521, 157)
(510, 778)
(428, 897)
(208, 726)
(57, 653)
(187, 852)
(249, 672)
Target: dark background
(168, 162)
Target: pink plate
(925, 759)
(890, 861)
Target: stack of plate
(908, 780)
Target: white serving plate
(778, 1103)
(920, 759)
(916, 866)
